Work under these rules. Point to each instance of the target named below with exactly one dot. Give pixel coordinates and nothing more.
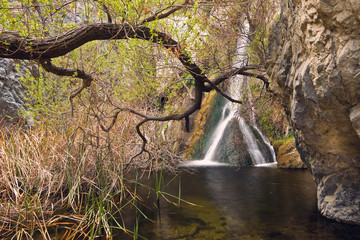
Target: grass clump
(64, 183)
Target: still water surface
(247, 203)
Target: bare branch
(106, 10)
(186, 87)
(240, 71)
(160, 15)
(218, 90)
(258, 76)
(232, 73)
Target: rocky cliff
(11, 95)
(314, 58)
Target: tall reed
(57, 183)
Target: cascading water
(252, 144)
(229, 111)
(209, 160)
(218, 133)
(267, 142)
(240, 83)
(250, 140)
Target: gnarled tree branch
(13, 46)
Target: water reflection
(251, 203)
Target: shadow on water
(248, 203)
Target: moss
(283, 141)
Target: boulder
(287, 155)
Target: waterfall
(226, 116)
(249, 137)
(229, 111)
(250, 140)
(218, 133)
(267, 142)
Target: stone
(355, 118)
(11, 91)
(232, 147)
(11, 95)
(287, 156)
(315, 47)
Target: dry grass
(67, 181)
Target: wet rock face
(314, 59)
(205, 123)
(232, 148)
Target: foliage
(284, 140)
(271, 119)
(44, 98)
(69, 169)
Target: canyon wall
(314, 60)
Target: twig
(159, 15)
(86, 78)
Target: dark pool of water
(249, 204)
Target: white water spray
(267, 142)
(250, 140)
(214, 140)
(218, 133)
